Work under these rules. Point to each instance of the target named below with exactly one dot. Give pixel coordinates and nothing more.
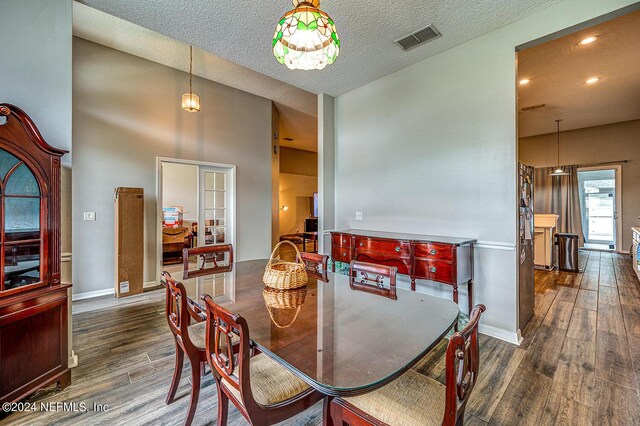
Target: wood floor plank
(608, 296)
(617, 405)
(565, 411)
(576, 382)
(629, 296)
(543, 354)
(583, 325)
(524, 400)
(613, 360)
(587, 299)
(610, 319)
(567, 294)
(559, 314)
(631, 315)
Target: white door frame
(618, 206)
(232, 205)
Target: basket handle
(290, 322)
(275, 249)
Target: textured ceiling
(241, 31)
(558, 70)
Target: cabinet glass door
(20, 208)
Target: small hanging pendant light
(558, 171)
(190, 101)
(306, 37)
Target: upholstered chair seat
(412, 399)
(271, 383)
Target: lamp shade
(190, 102)
(306, 37)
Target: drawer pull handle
(397, 248)
(344, 254)
(433, 269)
(344, 241)
(361, 243)
(433, 252)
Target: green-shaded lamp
(306, 37)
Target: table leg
(470, 287)
(413, 284)
(326, 411)
(304, 243)
(455, 299)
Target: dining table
(339, 340)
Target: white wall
(126, 113)
(35, 65)
(432, 149)
(180, 188)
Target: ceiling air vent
(418, 38)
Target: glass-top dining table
(339, 340)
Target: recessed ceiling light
(592, 80)
(588, 40)
(524, 81)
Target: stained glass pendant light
(306, 37)
(558, 171)
(190, 101)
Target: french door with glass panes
(214, 221)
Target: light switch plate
(358, 215)
(89, 215)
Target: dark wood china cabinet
(33, 302)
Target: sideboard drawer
(435, 270)
(385, 247)
(341, 254)
(433, 251)
(342, 240)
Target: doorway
(196, 207)
(599, 191)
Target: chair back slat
(369, 278)
(315, 262)
(203, 256)
(462, 365)
(222, 325)
(177, 309)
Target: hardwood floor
(579, 363)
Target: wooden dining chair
(370, 278)
(315, 262)
(189, 339)
(204, 255)
(415, 399)
(264, 391)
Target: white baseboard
(501, 334)
(149, 284)
(91, 294)
(73, 360)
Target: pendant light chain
(191, 73)
(558, 141)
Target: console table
(446, 260)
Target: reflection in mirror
(284, 305)
(21, 265)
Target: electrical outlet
(358, 215)
(89, 215)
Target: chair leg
(195, 391)
(177, 373)
(326, 411)
(223, 407)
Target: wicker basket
(285, 275)
(284, 305)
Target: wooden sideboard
(446, 260)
